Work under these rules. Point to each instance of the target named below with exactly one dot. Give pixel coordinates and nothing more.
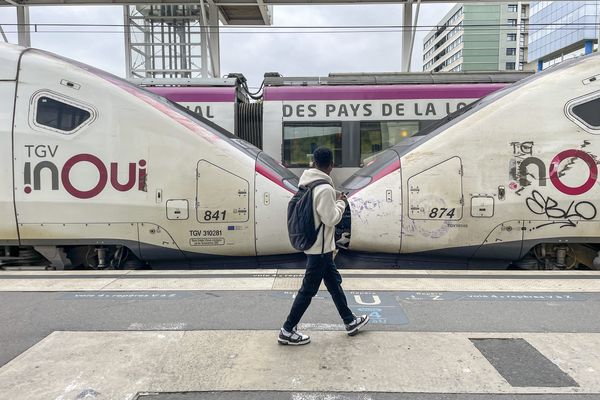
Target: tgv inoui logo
(32, 172)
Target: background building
(561, 30)
(479, 37)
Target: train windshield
(382, 164)
(274, 171)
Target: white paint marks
(168, 326)
(329, 396)
(321, 327)
(375, 301)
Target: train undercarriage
(545, 256)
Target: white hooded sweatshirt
(325, 209)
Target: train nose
(373, 220)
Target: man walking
(327, 213)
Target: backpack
(300, 217)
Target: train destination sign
(376, 109)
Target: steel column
(407, 33)
(24, 34)
(214, 41)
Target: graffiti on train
(42, 171)
(549, 207)
(526, 169)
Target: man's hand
(341, 196)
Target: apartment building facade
(479, 37)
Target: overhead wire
(286, 30)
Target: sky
(252, 54)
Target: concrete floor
(102, 343)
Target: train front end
(374, 224)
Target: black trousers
(319, 268)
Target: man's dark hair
(323, 157)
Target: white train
(96, 172)
(512, 178)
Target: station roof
(233, 12)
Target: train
(356, 115)
(511, 179)
(98, 173)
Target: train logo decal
(107, 173)
(520, 173)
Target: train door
(8, 223)
(223, 212)
(436, 193)
(435, 207)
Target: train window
(382, 164)
(275, 171)
(55, 114)
(380, 135)
(301, 139)
(588, 113)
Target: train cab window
(588, 113)
(380, 135)
(277, 171)
(379, 166)
(301, 139)
(55, 114)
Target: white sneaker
(353, 327)
(293, 338)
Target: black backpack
(300, 219)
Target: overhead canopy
(232, 12)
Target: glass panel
(58, 115)
(380, 135)
(300, 140)
(278, 171)
(385, 161)
(589, 113)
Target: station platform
(211, 335)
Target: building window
(58, 115)
(380, 135)
(510, 66)
(512, 22)
(511, 51)
(512, 8)
(300, 139)
(511, 37)
(588, 113)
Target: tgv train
(357, 115)
(97, 172)
(512, 177)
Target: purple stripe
(388, 92)
(196, 94)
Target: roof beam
(264, 11)
(225, 3)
